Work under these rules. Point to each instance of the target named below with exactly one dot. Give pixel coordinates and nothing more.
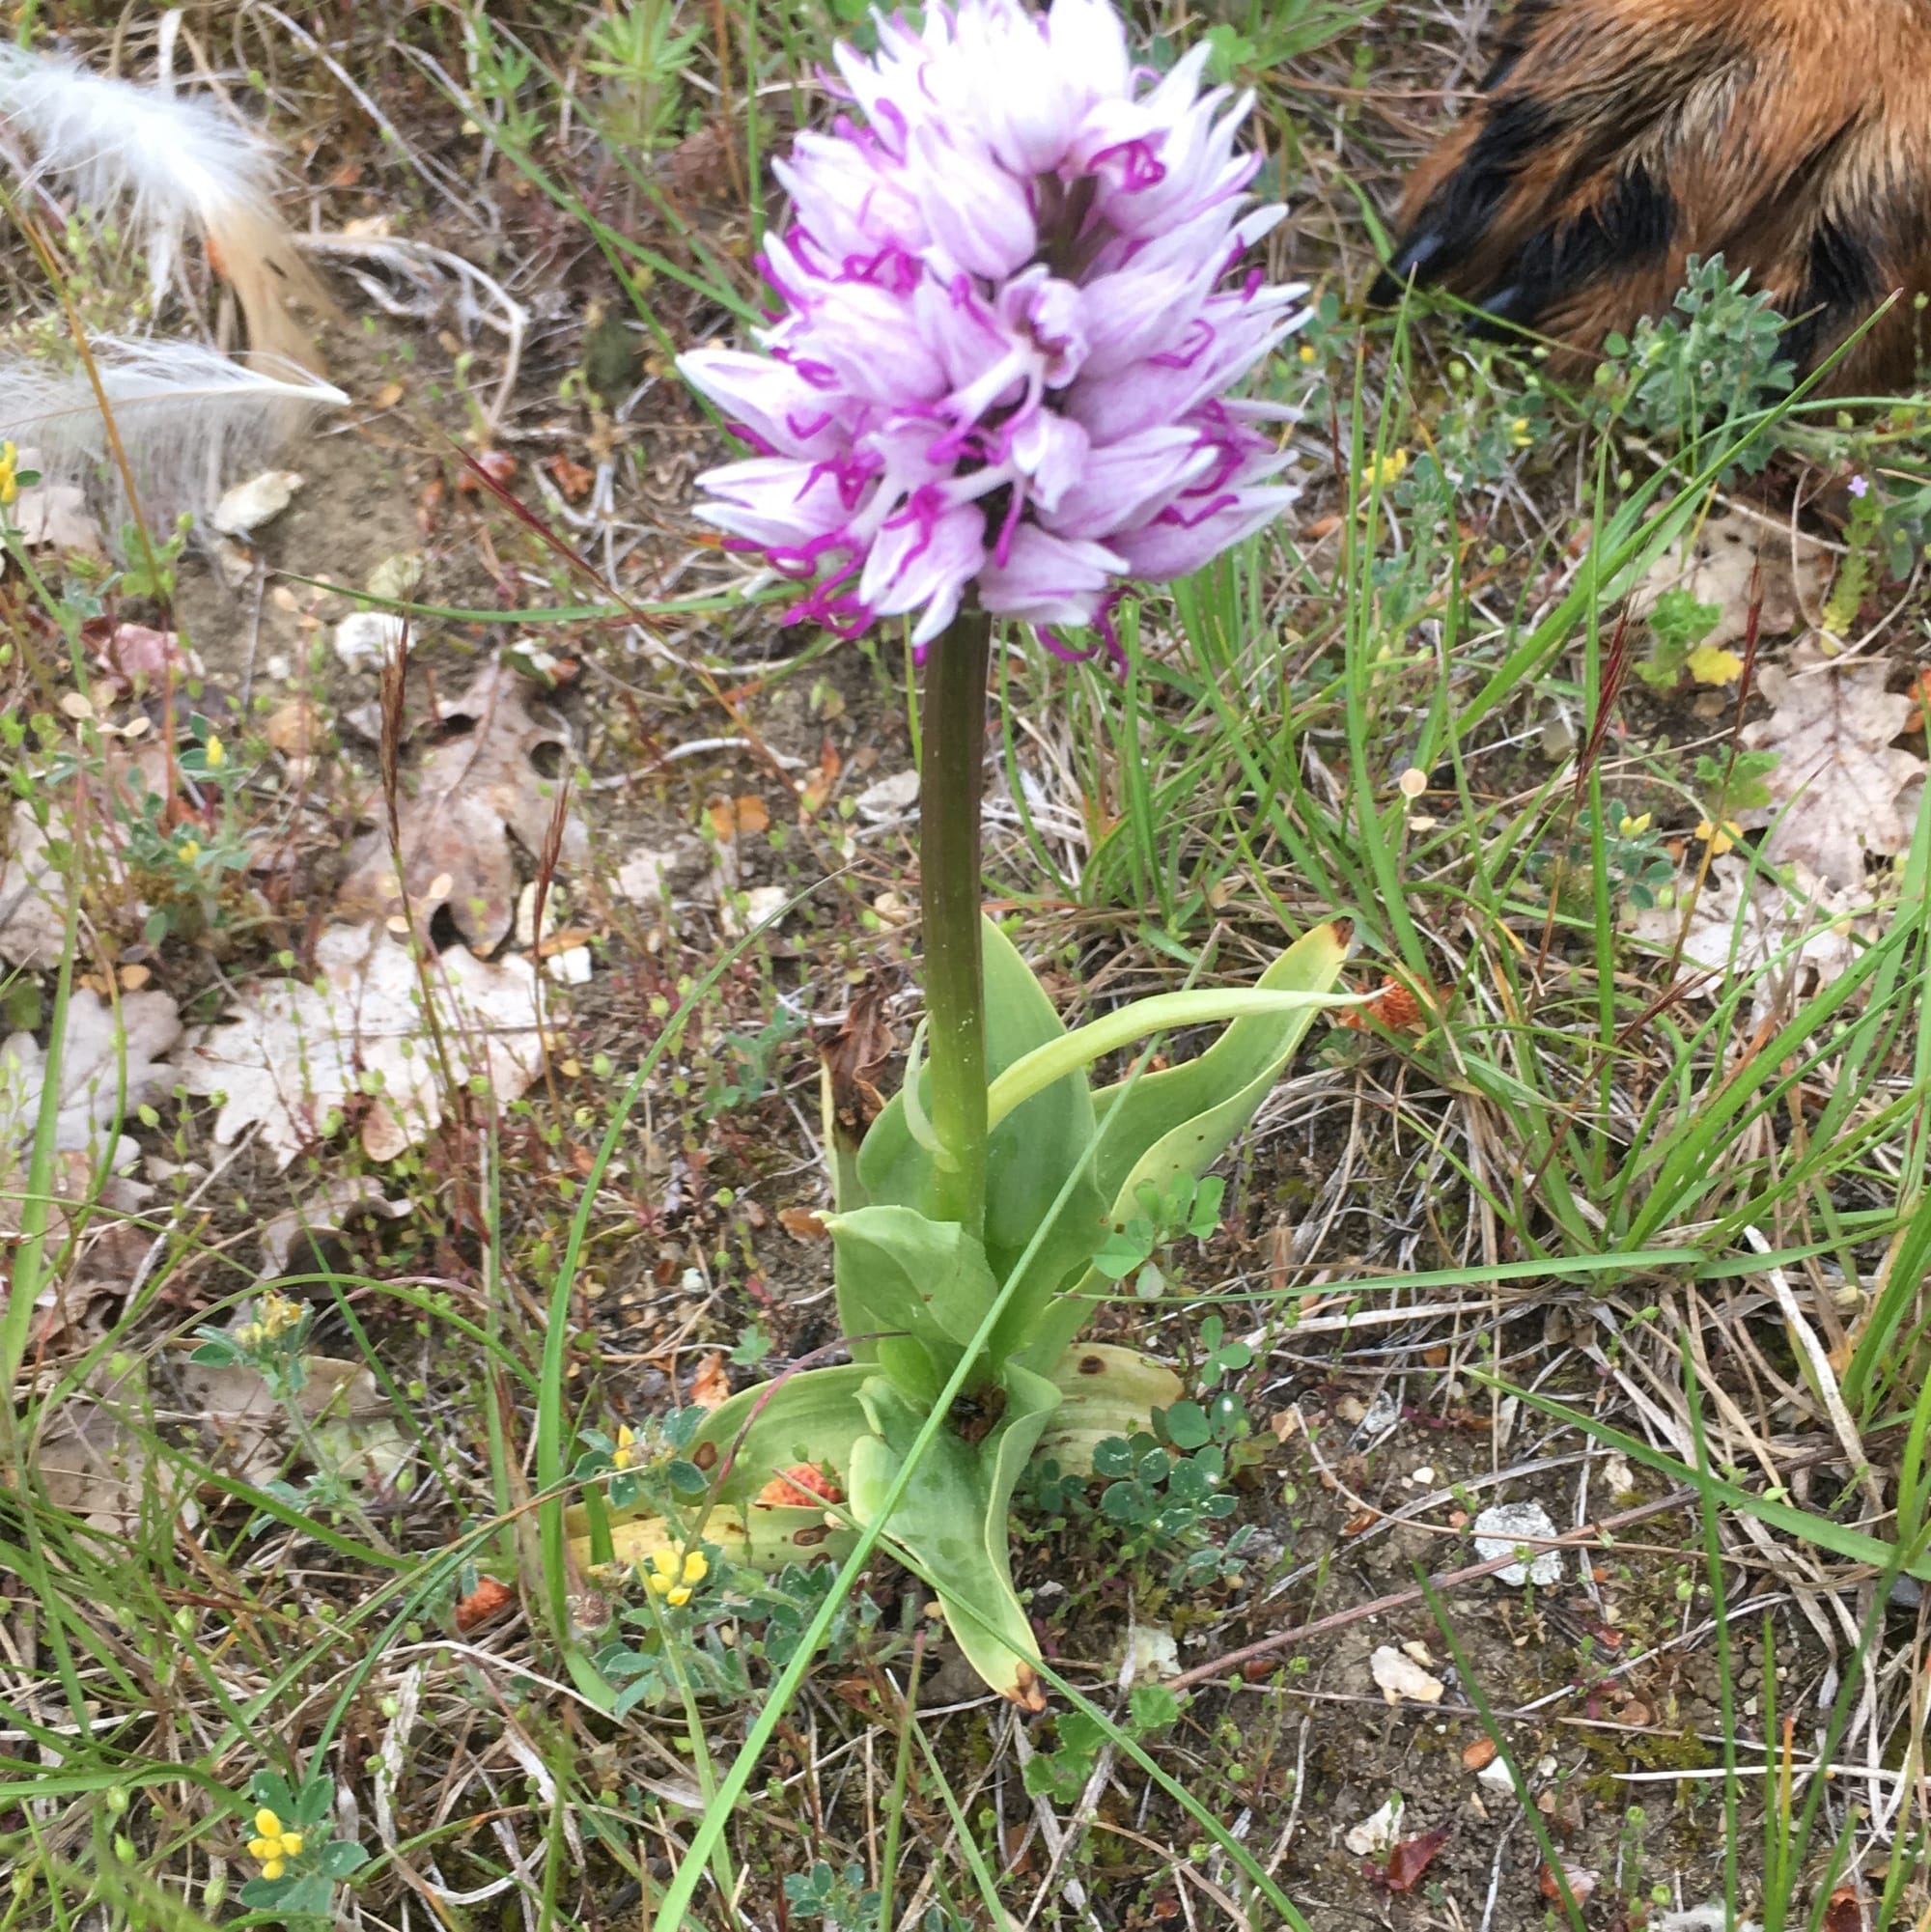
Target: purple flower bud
(1014, 308)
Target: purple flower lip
(1014, 309)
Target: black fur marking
(1629, 229)
(1841, 285)
(1460, 210)
(1516, 36)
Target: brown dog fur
(1615, 138)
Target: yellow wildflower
(188, 851)
(9, 463)
(673, 1576)
(1519, 433)
(622, 1454)
(1382, 470)
(279, 1315)
(273, 1844)
(214, 753)
(1711, 664)
(1719, 838)
(1306, 352)
(1633, 827)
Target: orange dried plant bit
(798, 1487)
(486, 1600)
(1918, 717)
(1396, 1007)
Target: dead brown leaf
(1726, 556)
(352, 1428)
(710, 1386)
(351, 1197)
(94, 1462)
(571, 478)
(855, 1057)
(476, 790)
(1408, 1859)
(1802, 935)
(1851, 792)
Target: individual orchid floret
(1012, 309)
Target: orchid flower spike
(1014, 307)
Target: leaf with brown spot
(478, 788)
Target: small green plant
(1634, 856)
(301, 1862)
(670, 1648)
(751, 1060)
(1678, 623)
(1703, 367)
(272, 1343)
(1734, 781)
(638, 50)
(498, 70)
(1061, 1773)
(1186, 1207)
(841, 1899)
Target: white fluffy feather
(171, 164)
(189, 420)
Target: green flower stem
(951, 782)
(1077, 1050)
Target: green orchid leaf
(906, 1363)
(897, 1270)
(810, 1416)
(1104, 1391)
(1244, 1062)
(950, 1524)
(1182, 1119)
(1031, 1152)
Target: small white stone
(889, 797)
(1401, 1676)
(644, 878)
(366, 638)
(744, 912)
(236, 562)
(571, 967)
(1424, 1477)
(1500, 1529)
(1377, 1832)
(526, 913)
(247, 505)
(1497, 1774)
(1382, 1414)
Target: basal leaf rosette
(1015, 301)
